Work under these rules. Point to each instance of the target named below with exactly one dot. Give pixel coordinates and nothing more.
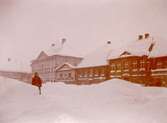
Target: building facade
(66, 73)
(94, 74)
(134, 63)
(159, 68)
(46, 65)
(133, 68)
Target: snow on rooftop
(70, 65)
(139, 47)
(159, 48)
(62, 49)
(116, 53)
(133, 48)
(114, 101)
(97, 57)
(102, 54)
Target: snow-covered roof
(115, 53)
(139, 47)
(159, 48)
(62, 49)
(70, 65)
(152, 47)
(97, 57)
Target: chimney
(53, 45)
(146, 35)
(63, 40)
(140, 37)
(108, 42)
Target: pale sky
(29, 26)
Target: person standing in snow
(37, 81)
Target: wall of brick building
(91, 75)
(139, 69)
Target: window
(142, 64)
(134, 64)
(118, 66)
(96, 72)
(113, 66)
(61, 75)
(159, 64)
(126, 65)
(165, 64)
(90, 72)
(81, 74)
(102, 71)
(69, 74)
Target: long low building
(143, 60)
(21, 76)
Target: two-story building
(133, 63)
(48, 61)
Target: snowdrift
(114, 101)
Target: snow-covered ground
(114, 101)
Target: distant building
(47, 63)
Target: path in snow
(115, 101)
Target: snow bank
(114, 101)
(7, 85)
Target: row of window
(161, 64)
(90, 75)
(45, 70)
(95, 71)
(127, 65)
(62, 75)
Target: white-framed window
(126, 65)
(134, 64)
(113, 66)
(142, 63)
(61, 75)
(69, 75)
(118, 66)
(159, 64)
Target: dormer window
(125, 53)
